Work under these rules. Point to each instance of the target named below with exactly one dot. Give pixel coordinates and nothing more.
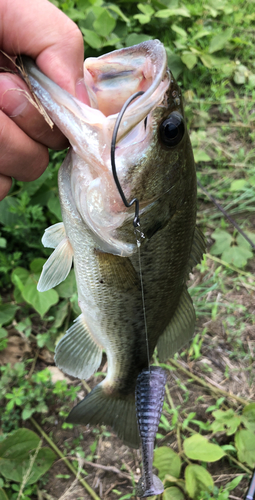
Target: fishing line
(138, 233)
(138, 242)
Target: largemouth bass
(155, 164)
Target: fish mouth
(112, 78)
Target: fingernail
(81, 92)
(13, 100)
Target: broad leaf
(245, 444)
(104, 24)
(189, 59)
(226, 421)
(223, 241)
(167, 462)
(3, 495)
(92, 39)
(173, 493)
(15, 470)
(197, 447)
(197, 479)
(7, 313)
(41, 301)
(68, 287)
(18, 444)
(218, 42)
(249, 417)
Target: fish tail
(101, 407)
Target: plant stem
(65, 460)
(224, 263)
(207, 385)
(239, 463)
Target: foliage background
(210, 49)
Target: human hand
(41, 31)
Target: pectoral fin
(180, 329)
(77, 352)
(197, 249)
(53, 235)
(57, 267)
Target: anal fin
(180, 329)
(77, 353)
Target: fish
(155, 164)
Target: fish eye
(172, 129)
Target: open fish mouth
(110, 80)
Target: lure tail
(102, 407)
(150, 392)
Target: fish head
(152, 140)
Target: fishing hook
(113, 146)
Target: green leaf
(68, 287)
(189, 59)
(118, 11)
(175, 64)
(142, 18)
(197, 447)
(200, 155)
(146, 9)
(15, 470)
(249, 417)
(173, 493)
(104, 24)
(3, 243)
(226, 421)
(53, 203)
(237, 255)
(18, 444)
(212, 62)
(41, 301)
(8, 218)
(3, 333)
(92, 38)
(245, 444)
(238, 185)
(223, 241)
(179, 30)
(37, 264)
(198, 480)
(167, 462)
(3, 495)
(7, 313)
(19, 277)
(26, 413)
(165, 13)
(218, 42)
(234, 483)
(136, 38)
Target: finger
(20, 156)
(5, 186)
(14, 102)
(47, 35)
